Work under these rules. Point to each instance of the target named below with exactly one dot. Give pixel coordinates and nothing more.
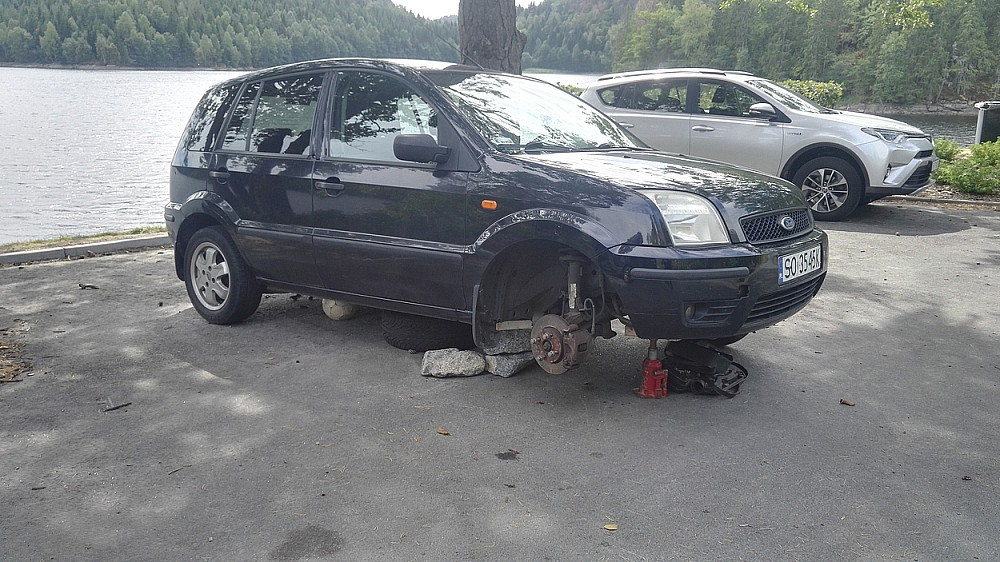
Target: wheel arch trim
(820, 150)
(575, 221)
(201, 209)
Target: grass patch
(61, 241)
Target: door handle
(702, 129)
(330, 188)
(625, 125)
(222, 175)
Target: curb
(917, 199)
(84, 250)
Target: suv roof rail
(671, 71)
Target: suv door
(722, 129)
(265, 166)
(653, 110)
(386, 228)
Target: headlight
(691, 220)
(888, 135)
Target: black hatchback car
(469, 196)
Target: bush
(824, 93)
(947, 149)
(979, 173)
(570, 88)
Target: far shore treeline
(882, 51)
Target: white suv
(839, 159)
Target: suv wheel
(832, 187)
(219, 283)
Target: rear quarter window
(618, 96)
(203, 129)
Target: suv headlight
(691, 220)
(888, 135)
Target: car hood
(867, 120)
(737, 190)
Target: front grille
(767, 228)
(920, 177)
(783, 302)
(924, 154)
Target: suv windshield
(787, 97)
(523, 115)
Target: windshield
(787, 97)
(522, 115)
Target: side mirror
(419, 148)
(763, 111)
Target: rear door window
(666, 96)
(275, 116)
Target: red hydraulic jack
(654, 376)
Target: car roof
(619, 77)
(400, 66)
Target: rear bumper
(716, 293)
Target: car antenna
(461, 55)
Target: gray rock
(442, 363)
(511, 341)
(508, 364)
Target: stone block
(442, 363)
(508, 364)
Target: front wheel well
(528, 280)
(797, 161)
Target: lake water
(88, 151)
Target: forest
(882, 51)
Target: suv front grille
(920, 177)
(767, 228)
(924, 154)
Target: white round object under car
(340, 310)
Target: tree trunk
(487, 35)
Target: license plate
(798, 264)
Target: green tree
(77, 50)
(49, 43)
(18, 44)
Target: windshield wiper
(540, 144)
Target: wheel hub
(558, 345)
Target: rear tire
(832, 187)
(219, 283)
(421, 333)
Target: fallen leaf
(611, 527)
(443, 431)
(846, 402)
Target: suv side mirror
(419, 148)
(763, 111)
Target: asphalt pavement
(865, 431)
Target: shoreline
(944, 108)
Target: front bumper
(903, 171)
(714, 293)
